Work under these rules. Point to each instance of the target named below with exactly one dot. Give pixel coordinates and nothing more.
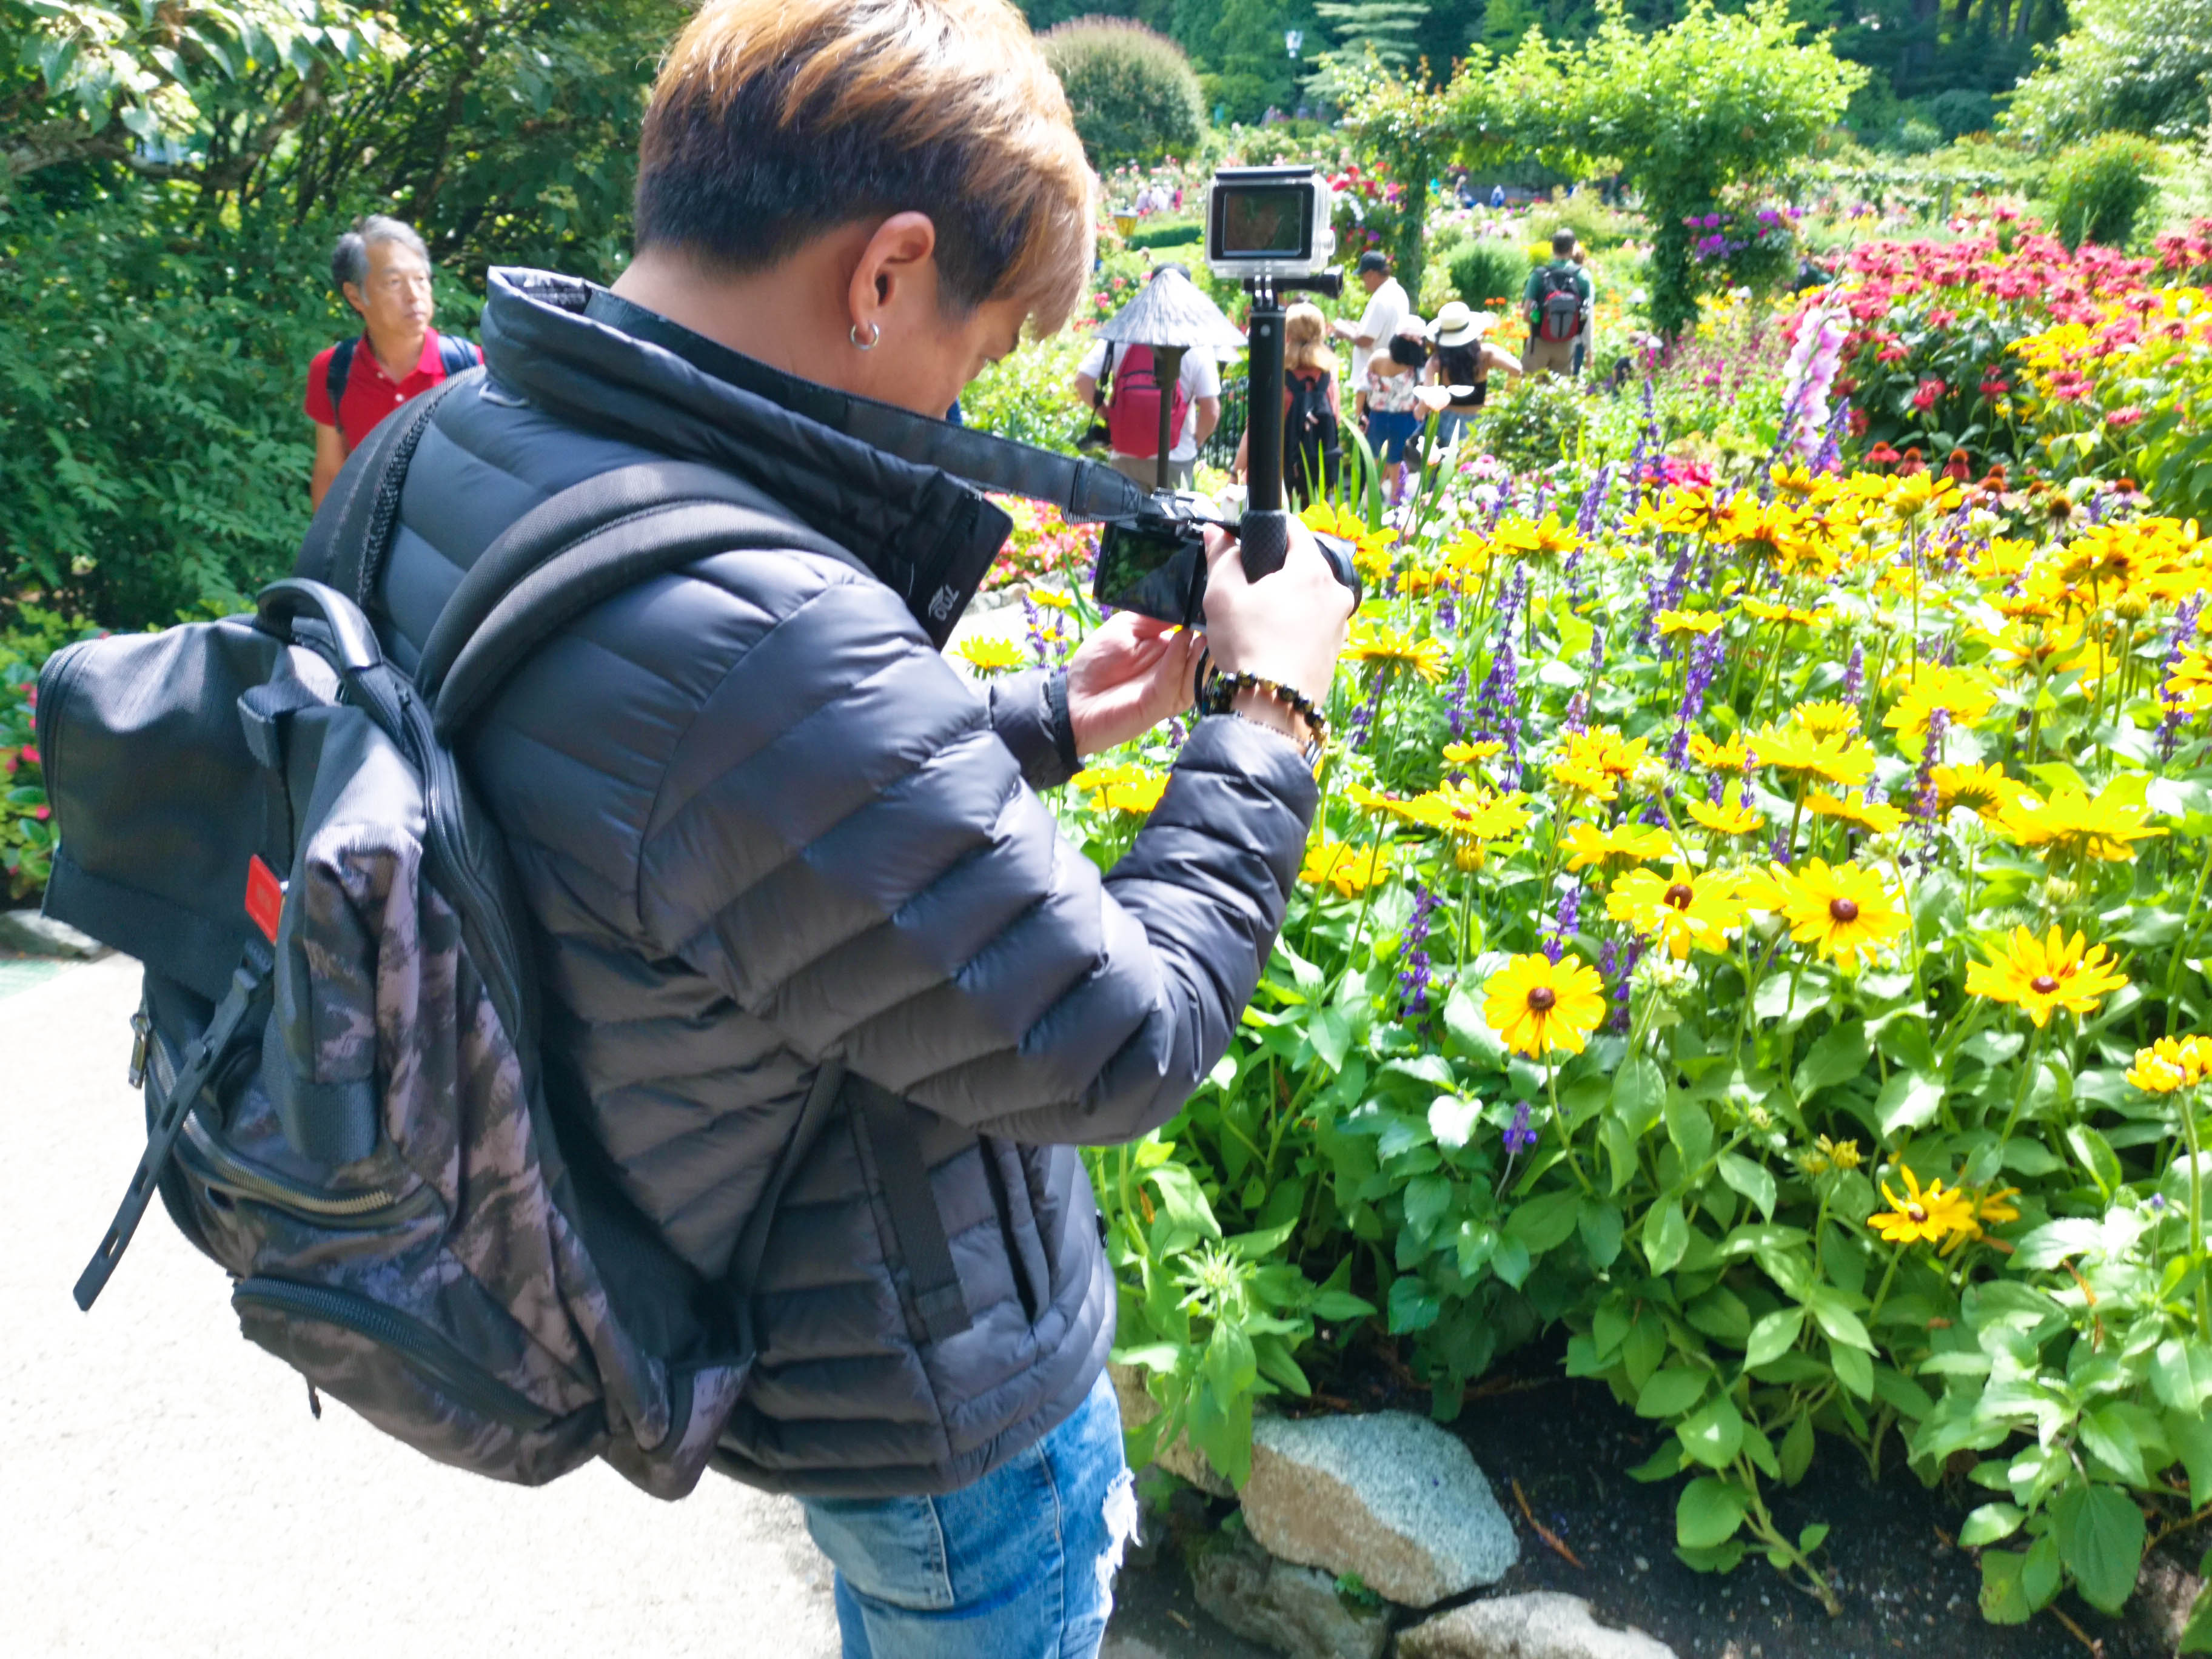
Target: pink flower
(31, 755)
(2124, 417)
(1924, 396)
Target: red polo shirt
(370, 393)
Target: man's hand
(1128, 677)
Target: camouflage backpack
(337, 1039)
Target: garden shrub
(1029, 395)
(154, 452)
(1134, 95)
(2099, 190)
(1490, 274)
(27, 841)
(1535, 422)
(1173, 233)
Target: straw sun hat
(1456, 326)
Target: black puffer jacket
(759, 820)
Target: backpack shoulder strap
(580, 547)
(338, 371)
(351, 531)
(457, 355)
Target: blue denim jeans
(1018, 1565)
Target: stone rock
(1181, 1459)
(42, 936)
(1390, 1496)
(1541, 1625)
(1293, 1610)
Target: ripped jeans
(1018, 1565)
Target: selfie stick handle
(1266, 529)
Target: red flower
(31, 755)
(1856, 421)
(1924, 396)
(1912, 463)
(1995, 385)
(43, 813)
(1882, 455)
(1958, 466)
(2124, 417)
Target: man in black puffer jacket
(759, 821)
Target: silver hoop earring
(875, 334)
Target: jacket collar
(590, 358)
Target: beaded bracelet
(1223, 688)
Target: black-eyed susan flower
(1794, 752)
(2171, 1064)
(1875, 817)
(1729, 756)
(992, 653)
(1844, 912)
(1723, 819)
(1350, 870)
(1922, 1216)
(1537, 1005)
(1964, 697)
(2042, 974)
(1378, 645)
(1697, 623)
(1608, 850)
(1135, 790)
(1980, 788)
(1681, 909)
(2074, 826)
(1825, 719)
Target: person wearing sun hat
(1459, 375)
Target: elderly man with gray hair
(383, 269)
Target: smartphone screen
(1154, 570)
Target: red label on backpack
(264, 897)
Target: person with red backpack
(1131, 406)
(1559, 302)
(383, 269)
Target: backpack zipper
(227, 1171)
(423, 1349)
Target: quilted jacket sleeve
(844, 841)
(1029, 712)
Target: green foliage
(1133, 92)
(154, 453)
(1173, 233)
(2125, 66)
(1716, 101)
(27, 841)
(1405, 128)
(1489, 274)
(1369, 34)
(1534, 421)
(1029, 395)
(2099, 190)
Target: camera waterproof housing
(1268, 223)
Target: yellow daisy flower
(1961, 696)
(1825, 720)
(2073, 824)
(1681, 909)
(1728, 757)
(992, 653)
(1700, 623)
(2040, 974)
(1873, 817)
(1923, 1216)
(1381, 646)
(1350, 870)
(1725, 820)
(1982, 787)
(1609, 849)
(2171, 1064)
(1844, 912)
(1536, 1005)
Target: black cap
(1371, 261)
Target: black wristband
(1223, 689)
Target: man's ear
(353, 298)
(902, 251)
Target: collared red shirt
(370, 393)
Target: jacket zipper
(457, 1376)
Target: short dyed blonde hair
(773, 121)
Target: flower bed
(1757, 930)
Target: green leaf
(1708, 1513)
(1330, 1032)
(1690, 1128)
(2108, 1436)
(1773, 1336)
(1910, 1100)
(1666, 1235)
(2004, 1601)
(1754, 1181)
(1671, 1392)
(1414, 1306)
(1796, 1453)
(1336, 1306)
(1991, 1522)
(1639, 1094)
(1152, 1355)
(1601, 1226)
(2096, 1156)
(2100, 1536)
(1427, 1198)
(1840, 1054)
(1464, 1023)
(1837, 1319)
(1452, 1120)
(2191, 1435)
(1713, 1435)
(1854, 1368)
(1663, 1465)
(1544, 1223)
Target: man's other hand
(1128, 677)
